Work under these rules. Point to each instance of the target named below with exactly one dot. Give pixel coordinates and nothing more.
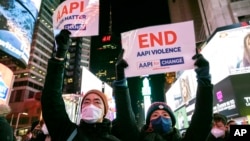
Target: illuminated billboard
(183, 90)
(224, 101)
(17, 22)
(232, 96)
(89, 81)
(181, 118)
(228, 51)
(6, 81)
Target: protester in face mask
(160, 120)
(93, 126)
(39, 132)
(219, 129)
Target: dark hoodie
(56, 118)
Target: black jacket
(198, 130)
(58, 123)
(6, 132)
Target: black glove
(63, 42)
(202, 65)
(120, 65)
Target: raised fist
(63, 42)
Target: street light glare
(17, 122)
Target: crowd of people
(160, 120)
(93, 126)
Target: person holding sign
(160, 120)
(93, 125)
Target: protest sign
(80, 17)
(159, 49)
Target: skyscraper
(29, 80)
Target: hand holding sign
(202, 69)
(63, 42)
(120, 65)
(159, 49)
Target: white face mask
(217, 132)
(91, 113)
(45, 130)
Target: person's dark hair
(220, 118)
(34, 124)
(230, 121)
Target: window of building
(18, 96)
(31, 94)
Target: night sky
(128, 15)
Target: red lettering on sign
(68, 9)
(151, 39)
(142, 40)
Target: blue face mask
(162, 125)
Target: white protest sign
(80, 17)
(159, 49)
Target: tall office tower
(104, 47)
(78, 57)
(188, 10)
(218, 13)
(104, 53)
(29, 81)
(81, 51)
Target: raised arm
(200, 125)
(124, 126)
(53, 107)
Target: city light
(17, 122)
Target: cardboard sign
(80, 17)
(159, 49)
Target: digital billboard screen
(17, 21)
(228, 51)
(224, 101)
(6, 81)
(241, 85)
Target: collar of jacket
(101, 128)
(174, 135)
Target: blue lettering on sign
(75, 26)
(171, 61)
(3, 90)
(145, 64)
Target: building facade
(29, 80)
(218, 13)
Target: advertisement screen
(183, 90)
(241, 85)
(6, 81)
(181, 118)
(17, 21)
(90, 81)
(224, 101)
(228, 52)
